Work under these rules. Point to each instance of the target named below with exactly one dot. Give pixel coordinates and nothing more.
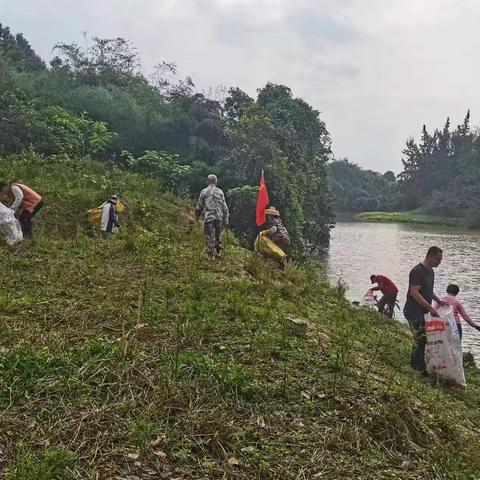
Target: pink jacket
(458, 310)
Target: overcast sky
(376, 69)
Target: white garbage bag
(368, 300)
(444, 347)
(10, 226)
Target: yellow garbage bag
(94, 216)
(266, 246)
(120, 207)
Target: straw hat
(272, 211)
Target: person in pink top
(458, 310)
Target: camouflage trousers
(213, 237)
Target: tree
(390, 177)
(441, 174)
(105, 61)
(354, 189)
(17, 49)
(236, 104)
(285, 137)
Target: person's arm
(440, 302)
(226, 213)
(200, 205)
(272, 231)
(375, 289)
(18, 197)
(417, 296)
(114, 214)
(466, 317)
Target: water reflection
(360, 249)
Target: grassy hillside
(139, 359)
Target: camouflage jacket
(212, 206)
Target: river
(359, 249)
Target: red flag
(262, 202)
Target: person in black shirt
(419, 302)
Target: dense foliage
(442, 172)
(96, 101)
(354, 189)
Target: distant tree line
(441, 176)
(96, 101)
(354, 189)
(441, 173)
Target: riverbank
(139, 358)
(409, 217)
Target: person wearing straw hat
(212, 207)
(274, 239)
(276, 229)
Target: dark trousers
(213, 236)
(25, 220)
(417, 325)
(460, 330)
(387, 300)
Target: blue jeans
(460, 330)
(417, 325)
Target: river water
(360, 249)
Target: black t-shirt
(423, 276)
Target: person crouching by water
(275, 239)
(109, 223)
(25, 203)
(389, 291)
(212, 207)
(458, 309)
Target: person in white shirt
(109, 223)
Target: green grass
(408, 217)
(139, 358)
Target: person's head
(113, 199)
(212, 179)
(434, 257)
(373, 278)
(271, 212)
(5, 188)
(453, 289)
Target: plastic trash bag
(263, 244)
(10, 226)
(444, 347)
(368, 300)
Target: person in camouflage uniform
(212, 207)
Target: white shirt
(18, 194)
